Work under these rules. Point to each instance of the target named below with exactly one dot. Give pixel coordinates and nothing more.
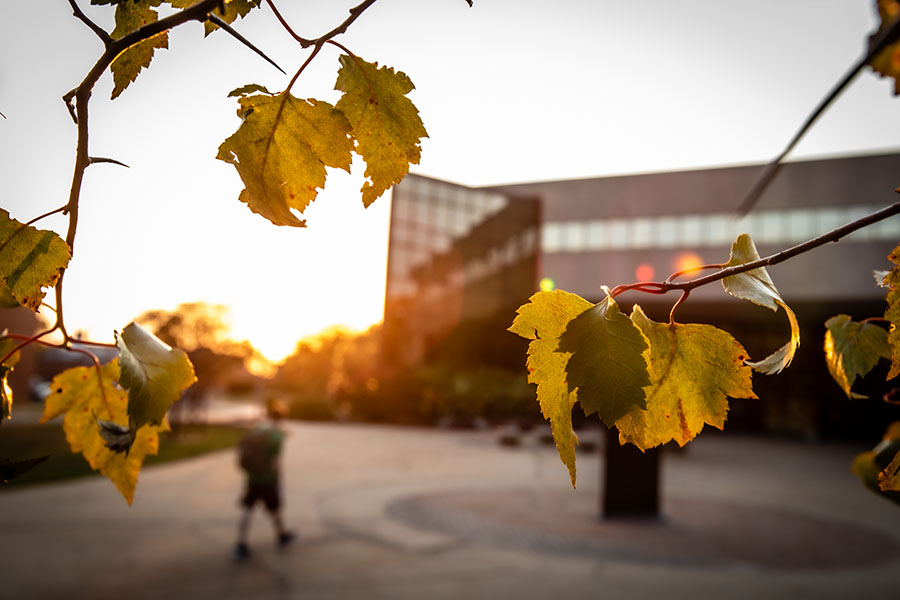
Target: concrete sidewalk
(388, 512)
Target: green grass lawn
(28, 441)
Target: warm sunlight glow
(688, 261)
(644, 272)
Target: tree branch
(765, 177)
(99, 31)
(355, 12)
(81, 96)
(832, 236)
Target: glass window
(720, 230)
(573, 237)
(692, 230)
(619, 233)
(551, 237)
(771, 227)
(666, 232)
(642, 233)
(799, 225)
(597, 235)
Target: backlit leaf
(30, 260)
(131, 16)
(887, 62)
(892, 313)
(693, 370)
(852, 349)
(542, 321)
(385, 122)
(87, 396)
(607, 365)
(154, 374)
(7, 345)
(757, 287)
(281, 150)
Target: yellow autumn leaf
(385, 122)
(542, 321)
(887, 62)
(694, 368)
(131, 16)
(87, 396)
(892, 313)
(30, 259)
(281, 150)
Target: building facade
(461, 260)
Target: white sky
(510, 90)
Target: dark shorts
(267, 493)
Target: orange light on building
(644, 272)
(688, 261)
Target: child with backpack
(259, 454)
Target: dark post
(630, 480)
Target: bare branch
(355, 12)
(99, 31)
(762, 181)
(230, 30)
(834, 235)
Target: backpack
(254, 454)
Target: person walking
(259, 454)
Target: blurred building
(462, 259)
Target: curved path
(388, 512)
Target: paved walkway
(387, 512)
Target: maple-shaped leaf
(607, 363)
(887, 62)
(7, 345)
(131, 16)
(542, 321)
(694, 368)
(852, 349)
(10, 469)
(757, 287)
(892, 313)
(30, 260)
(385, 122)
(233, 10)
(154, 374)
(87, 395)
(281, 150)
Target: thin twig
(355, 12)
(99, 31)
(80, 97)
(765, 177)
(771, 260)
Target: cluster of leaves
(654, 382)
(281, 149)
(284, 143)
(852, 349)
(113, 413)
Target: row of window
(765, 227)
(444, 207)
